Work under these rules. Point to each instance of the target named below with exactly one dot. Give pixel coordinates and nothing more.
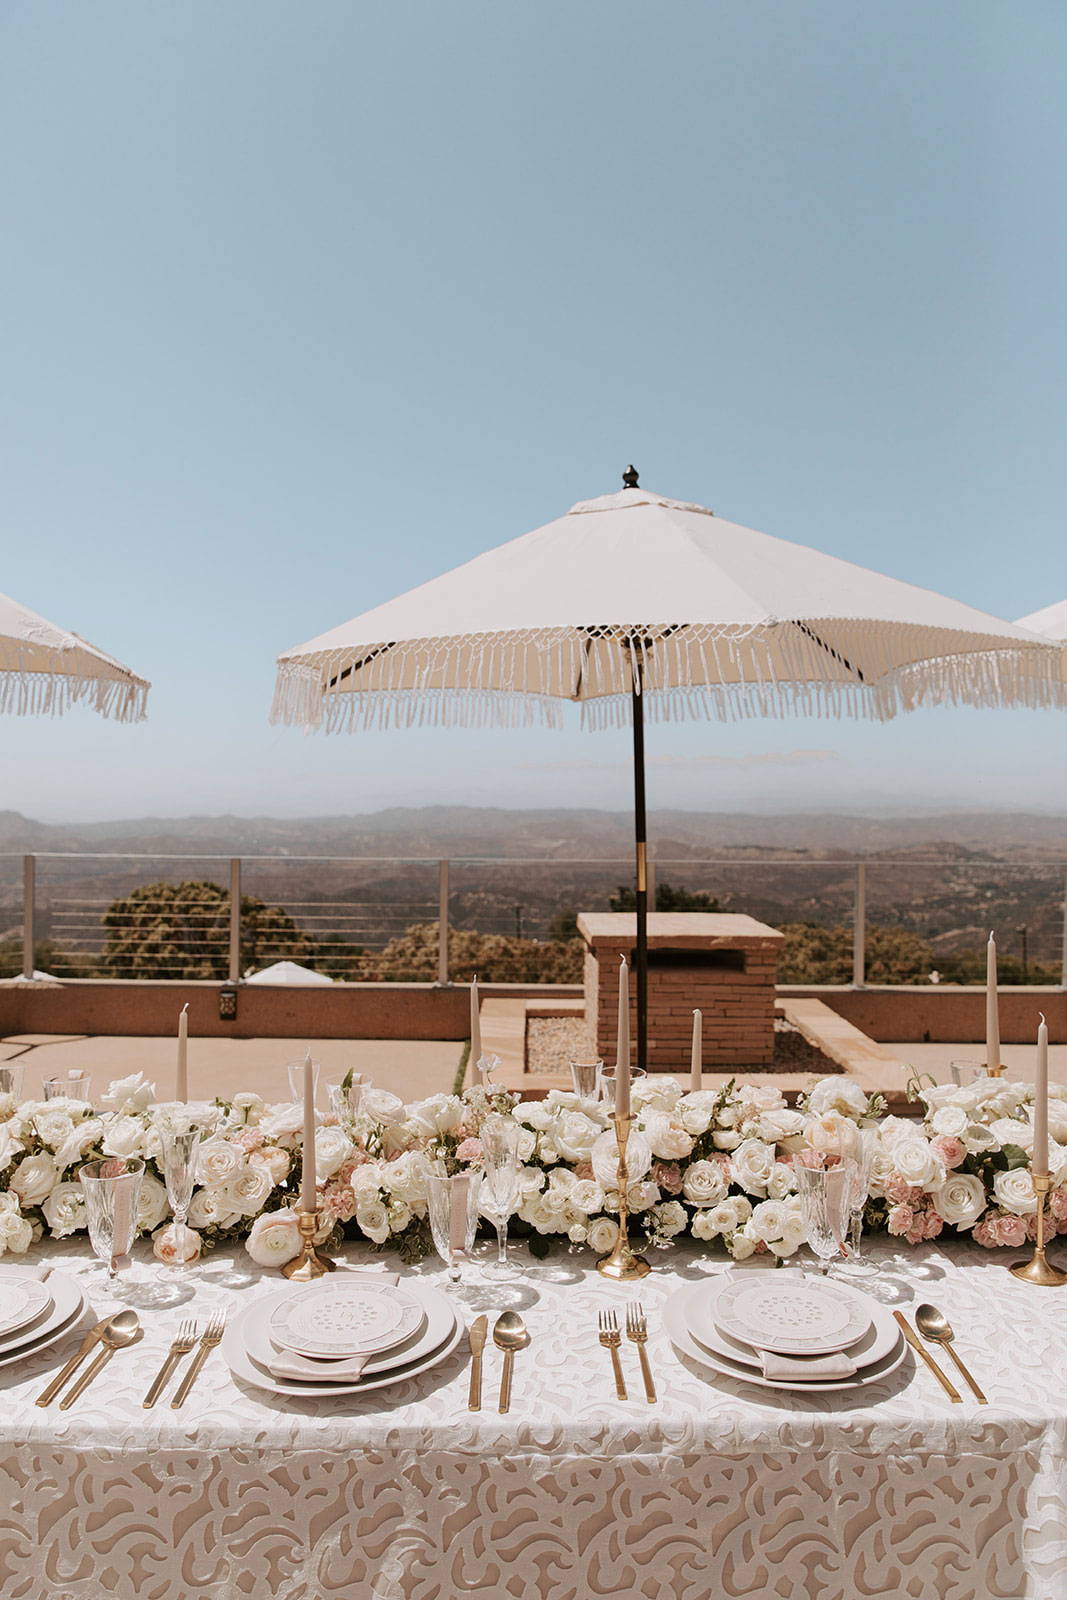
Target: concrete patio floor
(1017, 1058)
(409, 1068)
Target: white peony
(961, 1199)
(34, 1179)
(1014, 1191)
(274, 1239)
(603, 1234)
(64, 1210)
(131, 1095)
(372, 1218)
(704, 1183)
(752, 1164)
(838, 1094)
(217, 1161)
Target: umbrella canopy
(45, 669)
(635, 605)
(288, 972)
(726, 621)
(1051, 621)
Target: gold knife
(921, 1350)
(476, 1339)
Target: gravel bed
(552, 1043)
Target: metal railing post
(1063, 958)
(235, 919)
(442, 922)
(859, 930)
(29, 897)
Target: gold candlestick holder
(310, 1263)
(622, 1263)
(1038, 1269)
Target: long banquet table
(718, 1490)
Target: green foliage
(813, 954)
(48, 956)
(181, 930)
(668, 898)
(495, 957)
(970, 967)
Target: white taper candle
(476, 1029)
(696, 1067)
(181, 1081)
(992, 1012)
(308, 1186)
(622, 1049)
(1039, 1164)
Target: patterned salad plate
(22, 1301)
(790, 1313)
(344, 1317)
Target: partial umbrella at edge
(44, 670)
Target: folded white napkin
(40, 1272)
(328, 1369)
(838, 1364)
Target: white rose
(704, 1183)
(575, 1135)
(249, 1103)
(282, 1122)
(209, 1209)
(247, 1191)
(658, 1090)
(752, 1164)
(741, 1246)
(1057, 1120)
(834, 1135)
(782, 1181)
(881, 1169)
(381, 1106)
(274, 1161)
(1015, 1191)
(670, 1219)
(124, 1137)
(64, 1210)
(639, 1196)
(952, 1121)
(218, 1161)
(176, 1245)
(1011, 1130)
(9, 1145)
(603, 1234)
(366, 1181)
(131, 1094)
(83, 1135)
(669, 1140)
(774, 1126)
(767, 1222)
(54, 1128)
(893, 1129)
(535, 1114)
(587, 1196)
(702, 1225)
(16, 1232)
(34, 1179)
(372, 1218)
(605, 1158)
(696, 1110)
(577, 1233)
(838, 1094)
(332, 1150)
(725, 1139)
(274, 1239)
(152, 1204)
(440, 1113)
(917, 1164)
(961, 1199)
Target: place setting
(38, 1308)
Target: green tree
(668, 898)
(495, 957)
(182, 930)
(813, 954)
(48, 956)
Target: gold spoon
(509, 1335)
(935, 1326)
(93, 1336)
(120, 1330)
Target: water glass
(73, 1086)
(452, 1203)
(499, 1138)
(11, 1079)
(112, 1190)
(607, 1085)
(346, 1103)
(180, 1146)
(295, 1069)
(965, 1072)
(857, 1265)
(585, 1076)
(826, 1197)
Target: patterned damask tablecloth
(719, 1490)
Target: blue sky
(304, 305)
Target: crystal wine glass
(346, 1103)
(585, 1076)
(112, 1189)
(825, 1194)
(452, 1203)
(500, 1186)
(857, 1265)
(179, 1139)
(607, 1085)
(72, 1086)
(11, 1079)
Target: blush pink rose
(1011, 1230)
(916, 1233)
(1058, 1204)
(985, 1233)
(900, 1220)
(899, 1193)
(469, 1150)
(668, 1174)
(951, 1150)
(932, 1225)
(248, 1139)
(584, 1171)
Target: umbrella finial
(629, 477)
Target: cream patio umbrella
(45, 670)
(1052, 622)
(636, 606)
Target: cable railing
(366, 918)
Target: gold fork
(181, 1347)
(212, 1336)
(611, 1339)
(637, 1333)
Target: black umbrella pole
(641, 837)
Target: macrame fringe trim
(50, 694)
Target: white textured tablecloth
(720, 1490)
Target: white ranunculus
(274, 1160)
(217, 1161)
(752, 1164)
(840, 1094)
(1014, 1191)
(64, 1210)
(124, 1137)
(603, 1233)
(915, 1161)
(952, 1121)
(669, 1140)
(332, 1149)
(605, 1158)
(274, 1239)
(152, 1204)
(704, 1183)
(961, 1199)
(247, 1191)
(34, 1179)
(587, 1196)
(372, 1219)
(210, 1209)
(130, 1095)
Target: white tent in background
(45, 670)
(289, 972)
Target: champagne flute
(500, 1186)
(825, 1194)
(857, 1265)
(179, 1139)
(452, 1203)
(112, 1189)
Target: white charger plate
(881, 1337)
(787, 1312)
(242, 1366)
(67, 1302)
(675, 1320)
(22, 1302)
(436, 1324)
(345, 1316)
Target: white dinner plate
(675, 1320)
(67, 1302)
(345, 1316)
(787, 1312)
(437, 1323)
(242, 1366)
(881, 1337)
(22, 1302)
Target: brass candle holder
(1038, 1269)
(622, 1263)
(310, 1263)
